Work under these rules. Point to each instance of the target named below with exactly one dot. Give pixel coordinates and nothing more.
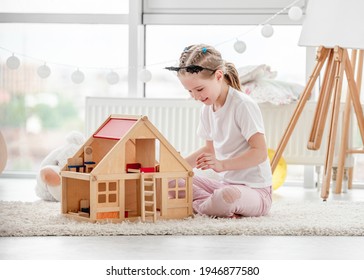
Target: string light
(145, 75)
(13, 62)
(267, 30)
(112, 78)
(295, 13)
(240, 46)
(77, 77)
(43, 71)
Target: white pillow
(254, 72)
(273, 91)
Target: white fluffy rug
(286, 218)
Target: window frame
(157, 12)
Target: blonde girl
(232, 128)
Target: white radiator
(276, 120)
(177, 119)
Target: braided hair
(208, 57)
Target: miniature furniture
(89, 163)
(136, 174)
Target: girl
(232, 126)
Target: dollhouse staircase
(148, 196)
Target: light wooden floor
(180, 247)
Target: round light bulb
(112, 78)
(267, 30)
(43, 71)
(295, 13)
(77, 77)
(13, 62)
(240, 46)
(145, 75)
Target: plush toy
(48, 179)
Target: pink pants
(214, 198)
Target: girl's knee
(222, 202)
(230, 194)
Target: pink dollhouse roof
(115, 128)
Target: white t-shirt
(230, 128)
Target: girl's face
(208, 91)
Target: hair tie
(204, 50)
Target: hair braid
(232, 76)
(208, 57)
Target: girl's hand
(208, 161)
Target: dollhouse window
(102, 198)
(177, 188)
(112, 186)
(107, 192)
(102, 187)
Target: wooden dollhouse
(127, 170)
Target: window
(35, 110)
(107, 193)
(357, 144)
(177, 188)
(36, 114)
(280, 51)
(65, 6)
